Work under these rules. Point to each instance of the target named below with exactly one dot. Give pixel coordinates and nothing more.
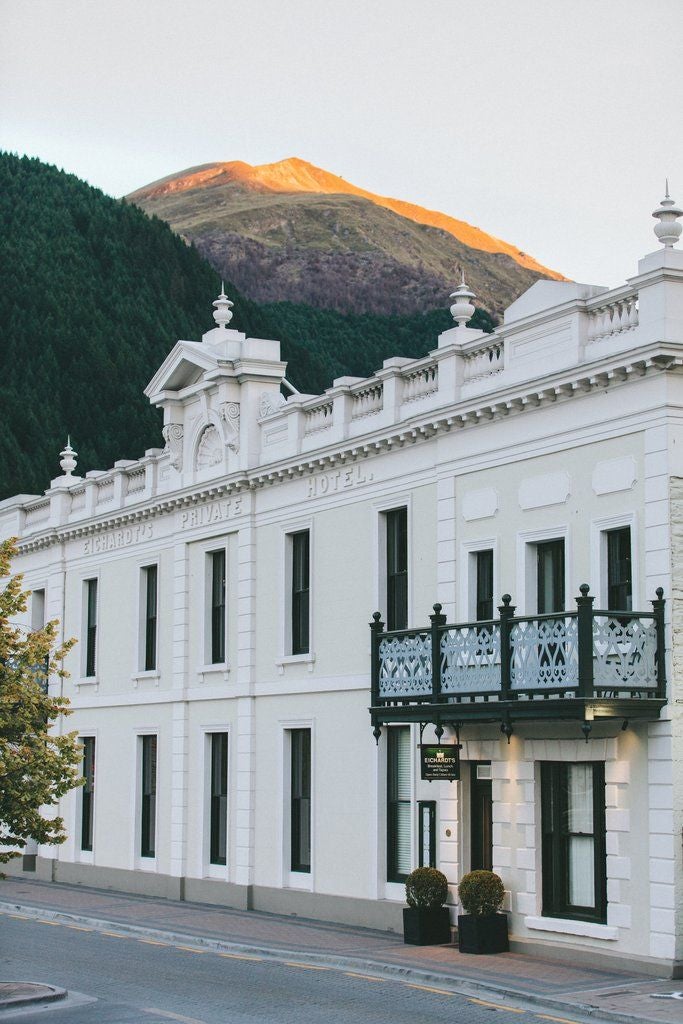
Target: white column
(246, 645)
(446, 546)
(179, 728)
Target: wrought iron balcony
(584, 664)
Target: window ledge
(564, 926)
(215, 669)
(140, 677)
(87, 681)
(295, 659)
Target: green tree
(37, 764)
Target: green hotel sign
(440, 763)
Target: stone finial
(222, 312)
(668, 230)
(462, 309)
(68, 459)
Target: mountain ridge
(296, 175)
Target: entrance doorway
(481, 817)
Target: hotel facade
(511, 507)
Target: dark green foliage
(426, 887)
(93, 296)
(481, 892)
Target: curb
(459, 984)
(52, 995)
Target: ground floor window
(573, 824)
(87, 792)
(300, 808)
(148, 797)
(219, 798)
(399, 806)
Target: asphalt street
(140, 981)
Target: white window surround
(38, 607)
(389, 504)
(524, 599)
(209, 870)
(138, 862)
(467, 577)
(303, 880)
(565, 926)
(285, 591)
(599, 530)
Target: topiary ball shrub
(426, 887)
(481, 892)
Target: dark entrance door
(481, 817)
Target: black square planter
(483, 933)
(423, 926)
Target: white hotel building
(221, 591)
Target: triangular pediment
(185, 364)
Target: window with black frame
(150, 575)
(300, 802)
(619, 571)
(148, 797)
(90, 627)
(219, 798)
(88, 793)
(300, 593)
(484, 585)
(396, 522)
(399, 804)
(217, 567)
(573, 831)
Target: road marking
(495, 1006)
(191, 949)
(426, 988)
(241, 956)
(174, 1016)
(115, 935)
(304, 967)
(153, 942)
(365, 977)
(18, 917)
(55, 924)
(78, 928)
(556, 1020)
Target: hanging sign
(440, 763)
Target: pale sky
(549, 123)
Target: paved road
(137, 981)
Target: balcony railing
(608, 660)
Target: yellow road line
(556, 1020)
(78, 928)
(18, 917)
(55, 924)
(304, 967)
(190, 949)
(153, 942)
(365, 977)
(241, 956)
(495, 1006)
(173, 1016)
(426, 988)
(115, 935)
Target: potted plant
(426, 921)
(481, 929)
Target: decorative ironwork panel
(470, 659)
(544, 654)
(624, 653)
(405, 666)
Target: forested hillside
(93, 295)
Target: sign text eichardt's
(440, 763)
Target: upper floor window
(619, 573)
(396, 522)
(217, 593)
(484, 585)
(90, 627)
(300, 595)
(550, 577)
(37, 609)
(150, 595)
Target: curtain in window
(580, 835)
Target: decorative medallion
(210, 450)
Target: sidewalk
(574, 990)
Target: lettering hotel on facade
(342, 479)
